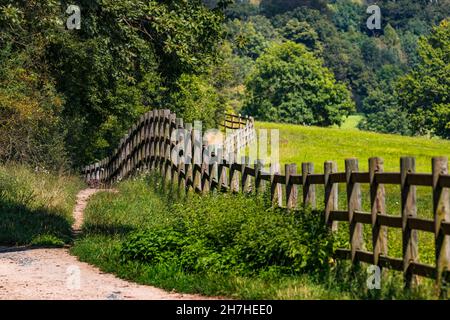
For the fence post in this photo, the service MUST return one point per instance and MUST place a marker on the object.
(157, 139)
(173, 167)
(291, 189)
(152, 133)
(378, 206)
(245, 183)
(331, 194)
(212, 167)
(275, 188)
(441, 210)
(234, 178)
(164, 143)
(259, 183)
(222, 175)
(409, 209)
(128, 155)
(354, 204)
(309, 190)
(205, 176)
(146, 140)
(188, 159)
(180, 141)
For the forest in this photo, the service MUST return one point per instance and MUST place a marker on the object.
(67, 96)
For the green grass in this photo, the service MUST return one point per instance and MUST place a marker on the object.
(351, 122)
(142, 205)
(313, 144)
(36, 207)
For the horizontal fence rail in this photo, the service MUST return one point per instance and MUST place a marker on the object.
(150, 144)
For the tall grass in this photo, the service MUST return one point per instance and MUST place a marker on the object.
(35, 207)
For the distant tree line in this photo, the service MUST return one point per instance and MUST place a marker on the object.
(374, 65)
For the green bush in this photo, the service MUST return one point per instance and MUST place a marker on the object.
(207, 236)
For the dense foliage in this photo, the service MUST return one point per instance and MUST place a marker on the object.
(199, 234)
(85, 87)
(425, 92)
(288, 84)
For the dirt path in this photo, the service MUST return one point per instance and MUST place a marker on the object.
(27, 273)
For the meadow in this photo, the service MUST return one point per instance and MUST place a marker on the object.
(315, 144)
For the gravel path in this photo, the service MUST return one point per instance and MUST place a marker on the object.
(27, 273)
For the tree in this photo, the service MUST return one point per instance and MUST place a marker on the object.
(347, 14)
(127, 58)
(289, 84)
(301, 32)
(424, 92)
(250, 38)
(274, 7)
(196, 99)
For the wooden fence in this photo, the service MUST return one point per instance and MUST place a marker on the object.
(148, 145)
(233, 121)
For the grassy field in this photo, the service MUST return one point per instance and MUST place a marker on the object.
(313, 144)
(36, 207)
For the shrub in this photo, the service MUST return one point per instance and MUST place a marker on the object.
(208, 236)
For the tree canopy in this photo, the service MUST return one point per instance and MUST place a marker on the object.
(289, 84)
(425, 92)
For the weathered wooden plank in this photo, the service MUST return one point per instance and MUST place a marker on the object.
(291, 189)
(336, 215)
(444, 181)
(259, 183)
(275, 186)
(422, 270)
(309, 190)
(420, 179)
(362, 217)
(296, 179)
(387, 178)
(441, 210)
(353, 204)
(415, 223)
(245, 178)
(360, 177)
(331, 194)
(378, 206)
(315, 179)
(338, 177)
(391, 263)
(409, 209)
(279, 178)
(445, 226)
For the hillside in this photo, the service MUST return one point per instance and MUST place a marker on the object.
(313, 144)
